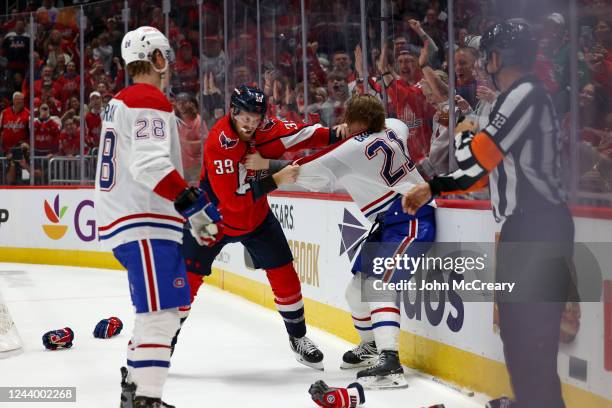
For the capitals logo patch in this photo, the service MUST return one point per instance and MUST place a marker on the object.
(226, 142)
(330, 399)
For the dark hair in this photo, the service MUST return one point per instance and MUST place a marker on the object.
(138, 68)
(367, 109)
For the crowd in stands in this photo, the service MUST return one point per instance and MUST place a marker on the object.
(408, 69)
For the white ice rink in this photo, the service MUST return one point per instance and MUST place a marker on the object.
(231, 352)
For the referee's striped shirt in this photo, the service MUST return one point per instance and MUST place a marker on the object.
(520, 148)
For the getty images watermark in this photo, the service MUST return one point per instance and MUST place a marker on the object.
(406, 265)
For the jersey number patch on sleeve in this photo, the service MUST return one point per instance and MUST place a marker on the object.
(380, 146)
(107, 165)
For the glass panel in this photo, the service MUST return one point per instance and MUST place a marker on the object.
(213, 62)
(15, 164)
(416, 35)
(186, 86)
(592, 121)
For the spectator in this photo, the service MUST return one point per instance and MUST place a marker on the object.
(19, 169)
(212, 99)
(465, 62)
(16, 49)
(407, 102)
(186, 70)
(192, 133)
(554, 52)
(104, 53)
(106, 97)
(434, 27)
(46, 96)
(47, 12)
(213, 57)
(599, 57)
(46, 133)
(93, 121)
(73, 110)
(68, 84)
(14, 123)
(343, 65)
(332, 110)
(593, 103)
(46, 77)
(70, 139)
(242, 75)
(56, 46)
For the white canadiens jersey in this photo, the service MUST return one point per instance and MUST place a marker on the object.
(139, 146)
(375, 168)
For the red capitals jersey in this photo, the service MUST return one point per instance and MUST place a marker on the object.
(70, 143)
(14, 127)
(67, 86)
(408, 104)
(93, 124)
(226, 179)
(46, 135)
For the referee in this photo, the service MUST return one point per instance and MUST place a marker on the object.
(520, 151)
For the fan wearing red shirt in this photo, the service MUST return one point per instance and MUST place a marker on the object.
(70, 139)
(93, 121)
(68, 83)
(408, 104)
(46, 133)
(240, 196)
(186, 68)
(14, 123)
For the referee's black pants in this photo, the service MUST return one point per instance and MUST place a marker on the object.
(535, 251)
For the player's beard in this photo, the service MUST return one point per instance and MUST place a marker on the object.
(244, 134)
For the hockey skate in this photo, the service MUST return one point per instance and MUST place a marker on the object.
(306, 352)
(128, 390)
(147, 402)
(364, 355)
(130, 400)
(388, 373)
(503, 402)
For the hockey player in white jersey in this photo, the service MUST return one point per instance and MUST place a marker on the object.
(142, 202)
(375, 168)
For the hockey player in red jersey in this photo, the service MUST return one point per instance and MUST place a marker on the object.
(240, 196)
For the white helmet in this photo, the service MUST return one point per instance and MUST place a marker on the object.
(139, 45)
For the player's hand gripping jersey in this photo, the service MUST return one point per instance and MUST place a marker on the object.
(139, 147)
(240, 195)
(374, 168)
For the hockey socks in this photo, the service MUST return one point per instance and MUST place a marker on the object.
(385, 324)
(288, 298)
(148, 356)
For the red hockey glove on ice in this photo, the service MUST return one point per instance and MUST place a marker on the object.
(107, 328)
(329, 397)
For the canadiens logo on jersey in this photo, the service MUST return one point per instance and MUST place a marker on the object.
(227, 142)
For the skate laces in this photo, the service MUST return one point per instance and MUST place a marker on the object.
(304, 344)
(363, 349)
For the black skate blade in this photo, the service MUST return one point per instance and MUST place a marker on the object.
(362, 364)
(317, 366)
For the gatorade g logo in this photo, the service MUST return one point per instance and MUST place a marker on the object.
(4, 216)
(54, 214)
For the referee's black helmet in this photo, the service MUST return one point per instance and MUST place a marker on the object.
(513, 40)
(249, 99)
